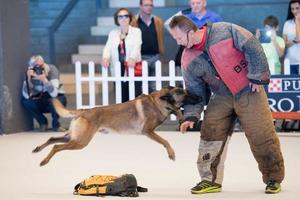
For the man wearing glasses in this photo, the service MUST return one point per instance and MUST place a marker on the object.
(152, 36)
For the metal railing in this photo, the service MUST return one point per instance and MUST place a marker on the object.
(54, 27)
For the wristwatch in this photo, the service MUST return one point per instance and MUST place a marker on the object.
(296, 41)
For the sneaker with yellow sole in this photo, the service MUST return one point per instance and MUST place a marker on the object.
(273, 187)
(206, 187)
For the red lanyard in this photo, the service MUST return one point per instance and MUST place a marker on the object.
(122, 49)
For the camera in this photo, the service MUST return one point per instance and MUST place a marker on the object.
(265, 35)
(38, 69)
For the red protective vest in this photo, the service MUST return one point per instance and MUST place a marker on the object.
(230, 64)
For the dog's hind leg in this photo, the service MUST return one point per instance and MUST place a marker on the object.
(59, 147)
(165, 143)
(83, 138)
(52, 140)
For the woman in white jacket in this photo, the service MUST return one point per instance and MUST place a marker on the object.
(291, 36)
(124, 45)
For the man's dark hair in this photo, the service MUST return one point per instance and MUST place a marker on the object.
(183, 23)
(271, 21)
(116, 16)
(141, 2)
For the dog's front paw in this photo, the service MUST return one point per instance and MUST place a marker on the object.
(172, 157)
(171, 154)
(44, 162)
(36, 149)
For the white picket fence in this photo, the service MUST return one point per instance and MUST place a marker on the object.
(103, 79)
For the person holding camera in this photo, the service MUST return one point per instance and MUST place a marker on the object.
(41, 84)
(272, 44)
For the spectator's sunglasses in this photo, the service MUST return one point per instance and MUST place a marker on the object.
(123, 16)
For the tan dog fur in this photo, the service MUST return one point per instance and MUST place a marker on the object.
(143, 115)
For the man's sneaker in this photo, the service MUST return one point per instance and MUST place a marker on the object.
(206, 187)
(272, 187)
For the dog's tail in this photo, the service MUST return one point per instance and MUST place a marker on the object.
(63, 112)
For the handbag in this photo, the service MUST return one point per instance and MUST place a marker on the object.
(137, 68)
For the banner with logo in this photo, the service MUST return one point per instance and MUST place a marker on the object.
(284, 93)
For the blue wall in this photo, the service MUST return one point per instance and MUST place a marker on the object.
(76, 28)
(247, 13)
(251, 14)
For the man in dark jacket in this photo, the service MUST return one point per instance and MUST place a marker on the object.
(231, 61)
(152, 28)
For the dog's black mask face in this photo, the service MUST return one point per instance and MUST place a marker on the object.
(168, 98)
(174, 96)
(179, 97)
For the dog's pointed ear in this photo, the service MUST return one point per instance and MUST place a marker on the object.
(170, 87)
(168, 98)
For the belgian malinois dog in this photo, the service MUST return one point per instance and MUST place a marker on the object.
(139, 116)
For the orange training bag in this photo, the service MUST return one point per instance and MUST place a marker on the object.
(125, 186)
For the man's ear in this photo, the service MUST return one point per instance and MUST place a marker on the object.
(191, 33)
(168, 98)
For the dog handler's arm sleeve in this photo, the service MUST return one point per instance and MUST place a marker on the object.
(195, 87)
(258, 67)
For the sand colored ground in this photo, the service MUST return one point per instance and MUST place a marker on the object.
(23, 179)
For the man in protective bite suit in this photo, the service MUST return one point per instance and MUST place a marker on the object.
(231, 61)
